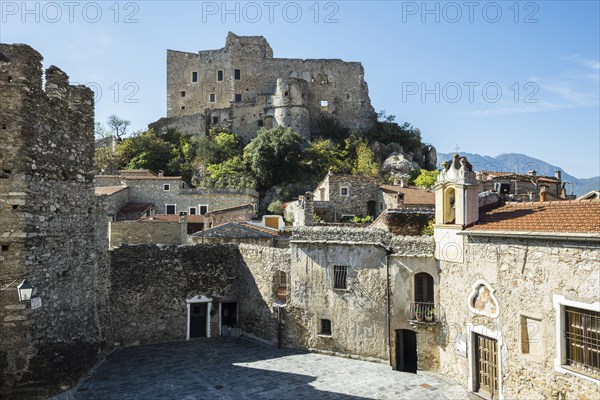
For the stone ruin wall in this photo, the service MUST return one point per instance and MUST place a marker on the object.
(50, 227)
(341, 84)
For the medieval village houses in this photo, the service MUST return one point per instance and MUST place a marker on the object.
(503, 298)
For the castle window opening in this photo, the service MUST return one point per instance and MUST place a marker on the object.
(325, 327)
(170, 208)
(195, 76)
(212, 98)
(15, 206)
(220, 75)
(167, 187)
(3, 127)
(260, 122)
(237, 98)
(237, 74)
(183, 93)
(5, 248)
(183, 107)
(340, 277)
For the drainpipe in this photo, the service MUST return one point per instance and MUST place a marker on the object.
(388, 315)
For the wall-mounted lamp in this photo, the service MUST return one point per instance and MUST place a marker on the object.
(25, 290)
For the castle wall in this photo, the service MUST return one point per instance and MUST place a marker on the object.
(50, 228)
(526, 274)
(341, 84)
(150, 285)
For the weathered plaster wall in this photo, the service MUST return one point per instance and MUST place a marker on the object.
(150, 285)
(48, 228)
(257, 276)
(525, 275)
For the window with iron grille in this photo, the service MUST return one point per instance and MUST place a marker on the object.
(582, 336)
(282, 287)
(325, 327)
(340, 277)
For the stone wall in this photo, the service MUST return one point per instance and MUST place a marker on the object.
(135, 232)
(361, 191)
(403, 222)
(196, 124)
(525, 274)
(50, 228)
(114, 202)
(150, 285)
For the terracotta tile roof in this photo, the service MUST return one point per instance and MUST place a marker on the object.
(191, 219)
(567, 216)
(109, 190)
(268, 231)
(133, 211)
(412, 195)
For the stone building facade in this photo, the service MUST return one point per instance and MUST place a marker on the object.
(520, 289)
(243, 86)
(51, 232)
(339, 196)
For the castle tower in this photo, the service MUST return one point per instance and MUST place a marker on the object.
(289, 104)
(48, 230)
(456, 206)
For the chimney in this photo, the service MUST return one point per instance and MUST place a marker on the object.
(558, 175)
(400, 200)
(403, 182)
(543, 193)
(161, 173)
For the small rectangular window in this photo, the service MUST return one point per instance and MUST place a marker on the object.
(324, 104)
(5, 247)
(183, 93)
(212, 98)
(195, 76)
(215, 120)
(260, 122)
(171, 208)
(340, 275)
(192, 210)
(325, 327)
(220, 75)
(344, 191)
(237, 74)
(167, 187)
(203, 209)
(237, 98)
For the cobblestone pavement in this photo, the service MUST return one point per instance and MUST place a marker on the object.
(229, 368)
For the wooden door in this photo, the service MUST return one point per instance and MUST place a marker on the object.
(487, 366)
(406, 350)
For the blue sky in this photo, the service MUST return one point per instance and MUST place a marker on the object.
(490, 77)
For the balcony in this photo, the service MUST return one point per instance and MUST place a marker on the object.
(423, 313)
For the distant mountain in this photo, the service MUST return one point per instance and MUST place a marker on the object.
(520, 163)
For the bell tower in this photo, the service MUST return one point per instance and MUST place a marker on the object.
(456, 207)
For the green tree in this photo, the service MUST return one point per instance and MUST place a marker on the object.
(426, 179)
(218, 147)
(275, 207)
(118, 126)
(365, 163)
(274, 156)
(231, 173)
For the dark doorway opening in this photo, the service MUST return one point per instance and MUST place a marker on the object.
(406, 350)
(229, 315)
(197, 320)
(372, 208)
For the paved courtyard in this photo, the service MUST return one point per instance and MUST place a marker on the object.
(229, 368)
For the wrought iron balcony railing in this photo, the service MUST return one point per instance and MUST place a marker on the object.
(424, 312)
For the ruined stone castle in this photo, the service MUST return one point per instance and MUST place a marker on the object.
(244, 87)
(503, 299)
